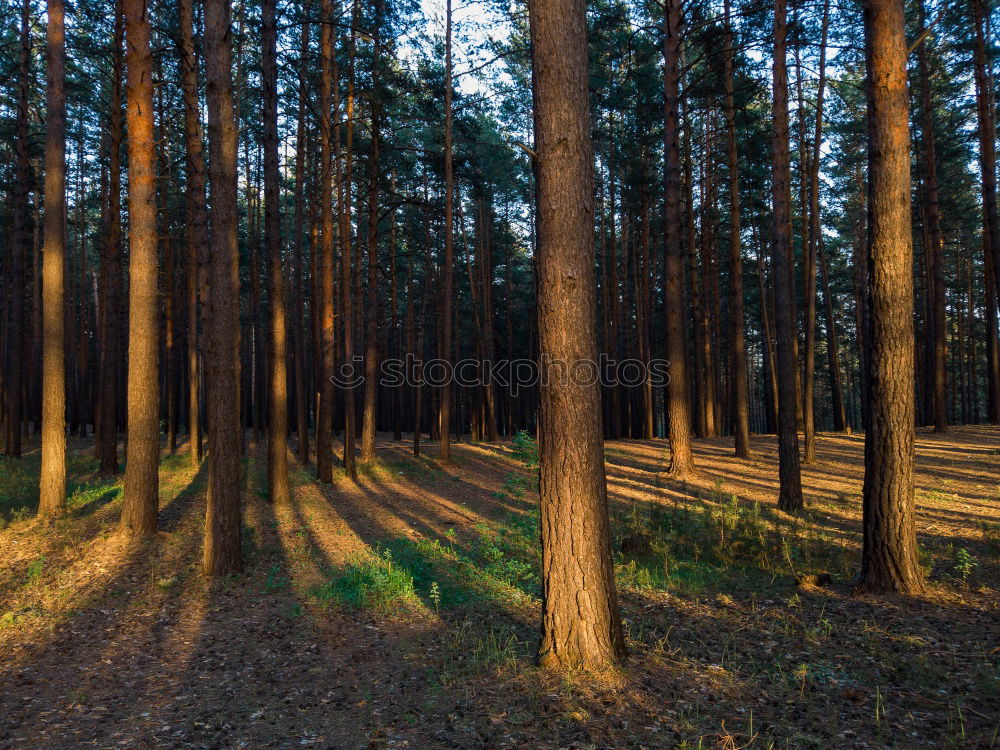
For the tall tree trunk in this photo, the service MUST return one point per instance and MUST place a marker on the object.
(992, 341)
(889, 553)
(196, 222)
(832, 353)
(324, 418)
(142, 457)
(371, 301)
(18, 253)
(344, 188)
(935, 254)
(223, 520)
(581, 626)
(52, 485)
(277, 406)
(790, 493)
(298, 317)
(444, 413)
(678, 404)
(814, 238)
(987, 148)
(111, 271)
(741, 394)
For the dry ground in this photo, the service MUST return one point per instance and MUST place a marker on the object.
(400, 610)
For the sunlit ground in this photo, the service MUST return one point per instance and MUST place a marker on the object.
(400, 610)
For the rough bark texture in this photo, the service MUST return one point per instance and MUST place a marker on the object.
(142, 455)
(223, 519)
(889, 554)
(277, 406)
(678, 403)
(52, 485)
(740, 381)
(790, 496)
(581, 626)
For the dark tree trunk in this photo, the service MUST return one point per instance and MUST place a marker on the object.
(13, 384)
(935, 254)
(987, 139)
(444, 413)
(790, 494)
(195, 225)
(581, 626)
(889, 555)
(223, 521)
(111, 270)
(740, 390)
(298, 318)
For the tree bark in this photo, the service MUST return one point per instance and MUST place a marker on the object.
(790, 493)
(111, 271)
(196, 223)
(581, 626)
(324, 419)
(889, 553)
(444, 413)
(741, 394)
(935, 256)
(277, 407)
(678, 403)
(987, 139)
(18, 253)
(52, 485)
(142, 456)
(371, 299)
(223, 520)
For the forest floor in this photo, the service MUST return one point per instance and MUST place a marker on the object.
(401, 610)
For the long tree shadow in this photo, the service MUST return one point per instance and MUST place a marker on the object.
(75, 662)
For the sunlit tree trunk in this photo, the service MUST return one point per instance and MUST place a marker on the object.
(325, 343)
(889, 553)
(277, 406)
(677, 402)
(581, 626)
(142, 455)
(52, 486)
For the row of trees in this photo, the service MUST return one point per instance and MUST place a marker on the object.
(363, 199)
